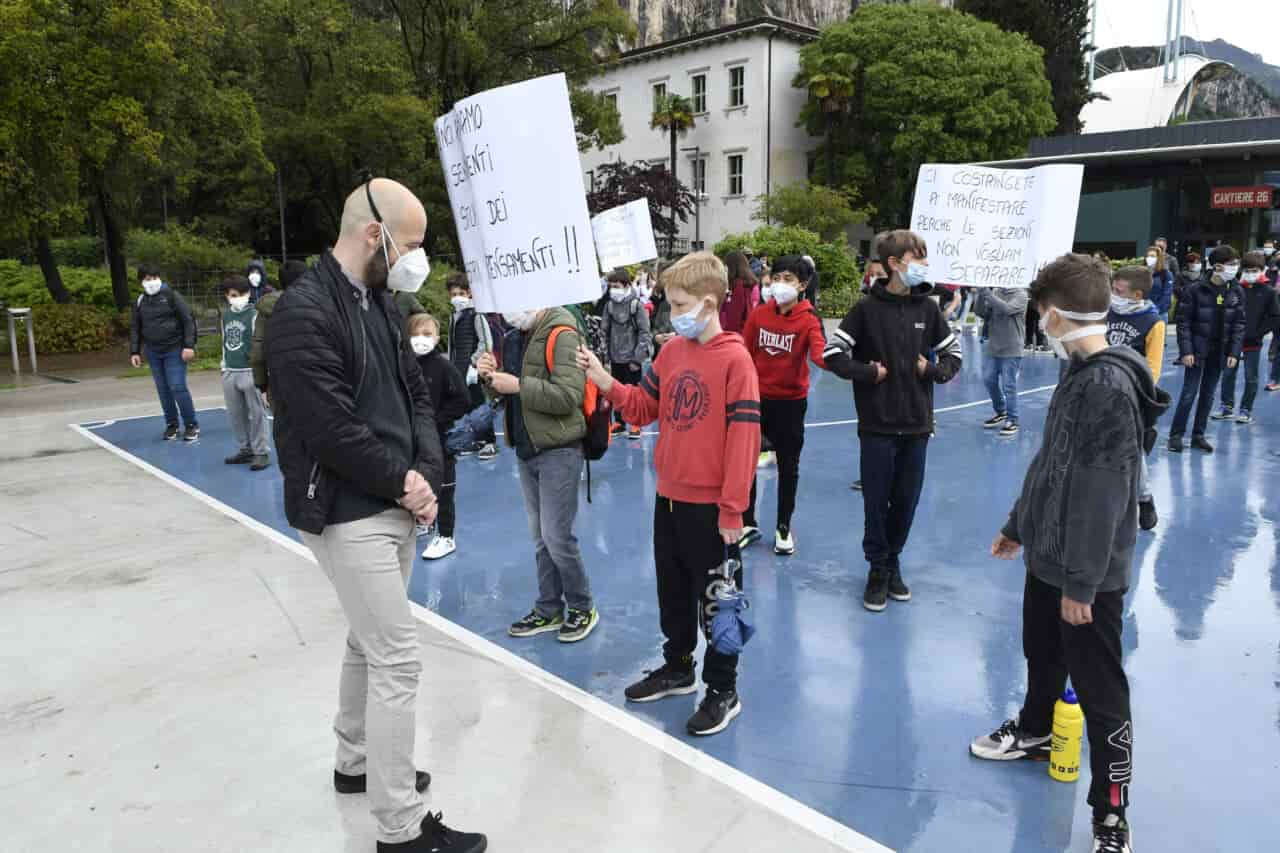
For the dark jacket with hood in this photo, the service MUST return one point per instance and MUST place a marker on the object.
(1077, 515)
(256, 293)
(163, 322)
(1261, 314)
(1209, 312)
(894, 330)
(318, 353)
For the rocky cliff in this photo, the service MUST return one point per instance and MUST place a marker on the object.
(663, 20)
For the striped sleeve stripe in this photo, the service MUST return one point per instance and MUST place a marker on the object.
(742, 406)
(745, 418)
(650, 383)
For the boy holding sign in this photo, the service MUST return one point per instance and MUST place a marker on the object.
(882, 345)
(702, 388)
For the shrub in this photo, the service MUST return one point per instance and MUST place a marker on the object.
(23, 286)
(76, 251)
(185, 256)
(834, 259)
(71, 328)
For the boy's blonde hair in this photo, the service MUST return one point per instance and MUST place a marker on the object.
(699, 274)
(418, 321)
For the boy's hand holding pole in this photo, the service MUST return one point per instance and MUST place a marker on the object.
(589, 362)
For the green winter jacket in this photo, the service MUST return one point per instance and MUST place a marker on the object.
(551, 400)
(257, 352)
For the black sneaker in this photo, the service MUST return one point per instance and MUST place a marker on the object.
(662, 682)
(260, 463)
(994, 422)
(578, 624)
(487, 452)
(750, 536)
(1147, 518)
(857, 485)
(192, 433)
(898, 590)
(534, 623)
(1175, 444)
(469, 451)
(715, 713)
(1010, 743)
(877, 595)
(438, 838)
(1199, 442)
(170, 433)
(1111, 835)
(1010, 428)
(244, 457)
(345, 784)
(1224, 414)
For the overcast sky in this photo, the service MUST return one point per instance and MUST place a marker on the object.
(1250, 24)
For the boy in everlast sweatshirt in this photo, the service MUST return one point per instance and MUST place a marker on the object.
(882, 345)
(702, 388)
(1076, 522)
(782, 336)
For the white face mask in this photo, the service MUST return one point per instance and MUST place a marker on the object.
(1250, 277)
(151, 286)
(1151, 260)
(410, 271)
(618, 294)
(1268, 250)
(1228, 273)
(766, 292)
(785, 293)
(238, 303)
(1195, 270)
(522, 320)
(255, 278)
(1124, 304)
(1058, 343)
(422, 344)
(460, 303)
(916, 274)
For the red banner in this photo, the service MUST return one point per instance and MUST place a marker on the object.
(1224, 197)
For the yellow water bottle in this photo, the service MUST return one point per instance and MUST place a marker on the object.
(1068, 733)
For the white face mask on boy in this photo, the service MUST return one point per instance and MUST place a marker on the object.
(1059, 343)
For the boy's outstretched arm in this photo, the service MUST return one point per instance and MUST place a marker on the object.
(637, 403)
(838, 356)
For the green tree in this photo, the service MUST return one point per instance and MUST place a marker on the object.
(1061, 29)
(831, 91)
(824, 210)
(674, 115)
(952, 89)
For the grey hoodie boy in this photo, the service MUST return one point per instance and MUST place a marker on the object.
(626, 328)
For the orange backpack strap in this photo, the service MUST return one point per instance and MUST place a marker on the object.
(591, 393)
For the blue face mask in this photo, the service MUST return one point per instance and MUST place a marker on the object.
(915, 275)
(688, 325)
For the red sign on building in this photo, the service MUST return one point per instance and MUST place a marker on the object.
(1224, 197)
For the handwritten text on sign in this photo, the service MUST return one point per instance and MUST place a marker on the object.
(510, 160)
(995, 227)
(624, 235)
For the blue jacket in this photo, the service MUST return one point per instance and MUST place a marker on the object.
(1197, 313)
(1161, 291)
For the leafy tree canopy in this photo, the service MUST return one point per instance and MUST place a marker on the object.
(824, 210)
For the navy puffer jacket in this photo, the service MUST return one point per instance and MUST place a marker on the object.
(1197, 313)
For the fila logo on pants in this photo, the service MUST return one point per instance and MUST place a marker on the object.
(1121, 772)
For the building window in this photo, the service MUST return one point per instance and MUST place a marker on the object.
(659, 92)
(699, 93)
(737, 86)
(612, 98)
(735, 174)
(699, 182)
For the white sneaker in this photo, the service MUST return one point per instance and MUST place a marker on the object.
(766, 459)
(441, 546)
(784, 543)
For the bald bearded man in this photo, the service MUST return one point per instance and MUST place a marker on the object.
(361, 458)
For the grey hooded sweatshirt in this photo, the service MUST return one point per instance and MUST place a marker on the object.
(1077, 516)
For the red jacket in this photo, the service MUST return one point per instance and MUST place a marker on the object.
(737, 306)
(781, 345)
(708, 405)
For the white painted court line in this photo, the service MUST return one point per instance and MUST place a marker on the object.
(955, 408)
(753, 789)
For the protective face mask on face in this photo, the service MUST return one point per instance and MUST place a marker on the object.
(915, 274)
(618, 294)
(1151, 260)
(151, 286)
(1230, 271)
(238, 303)
(1195, 269)
(689, 325)
(1268, 250)
(1250, 277)
(422, 344)
(1124, 304)
(409, 272)
(766, 292)
(1058, 343)
(255, 278)
(522, 320)
(460, 303)
(785, 293)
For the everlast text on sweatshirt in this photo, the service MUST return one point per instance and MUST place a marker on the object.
(707, 402)
(781, 346)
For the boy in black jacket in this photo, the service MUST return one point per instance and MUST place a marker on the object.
(1210, 333)
(162, 321)
(469, 338)
(1261, 315)
(882, 346)
(449, 394)
(1076, 522)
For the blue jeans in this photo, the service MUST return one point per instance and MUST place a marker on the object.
(1001, 375)
(550, 484)
(1251, 360)
(1201, 381)
(170, 374)
(892, 478)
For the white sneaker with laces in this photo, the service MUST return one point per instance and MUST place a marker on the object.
(784, 543)
(441, 546)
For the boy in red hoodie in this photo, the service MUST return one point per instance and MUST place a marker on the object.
(782, 336)
(702, 388)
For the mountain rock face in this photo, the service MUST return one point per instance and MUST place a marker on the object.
(662, 20)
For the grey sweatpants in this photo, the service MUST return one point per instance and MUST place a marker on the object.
(245, 410)
(369, 562)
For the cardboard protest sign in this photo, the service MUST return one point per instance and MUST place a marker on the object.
(995, 227)
(624, 235)
(510, 160)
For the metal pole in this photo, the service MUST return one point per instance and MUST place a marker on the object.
(13, 344)
(698, 177)
(284, 246)
(1168, 41)
(1093, 39)
(1177, 42)
(31, 341)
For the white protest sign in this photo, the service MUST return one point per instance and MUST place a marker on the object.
(510, 159)
(624, 235)
(995, 227)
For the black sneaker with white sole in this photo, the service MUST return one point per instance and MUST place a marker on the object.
(171, 433)
(535, 623)
(1147, 517)
(716, 712)
(1011, 743)
(192, 433)
(898, 590)
(666, 680)
(994, 422)
(1224, 414)
(1010, 428)
(1111, 835)
(578, 624)
(438, 838)
(750, 536)
(876, 596)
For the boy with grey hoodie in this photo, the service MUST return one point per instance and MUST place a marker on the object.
(1076, 522)
(626, 329)
(1004, 311)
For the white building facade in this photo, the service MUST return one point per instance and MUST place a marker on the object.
(745, 139)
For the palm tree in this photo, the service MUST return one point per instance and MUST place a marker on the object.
(674, 114)
(832, 91)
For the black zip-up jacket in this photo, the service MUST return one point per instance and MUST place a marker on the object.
(163, 322)
(1198, 312)
(895, 331)
(448, 390)
(1261, 313)
(317, 356)
(1077, 515)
